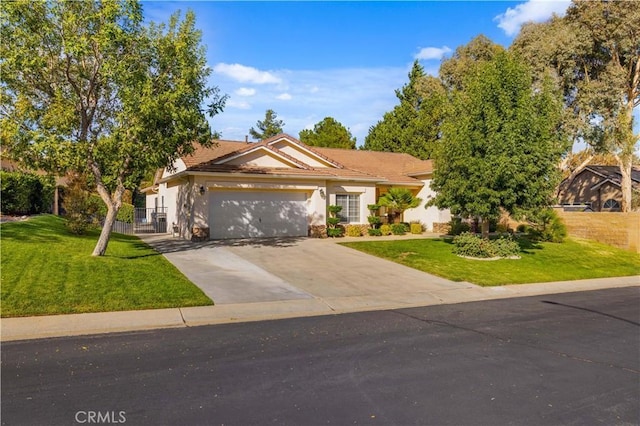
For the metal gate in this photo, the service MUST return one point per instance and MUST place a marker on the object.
(150, 221)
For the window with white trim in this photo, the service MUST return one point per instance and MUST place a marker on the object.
(350, 204)
(611, 204)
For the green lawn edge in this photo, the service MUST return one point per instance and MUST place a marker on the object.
(46, 270)
(575, 259)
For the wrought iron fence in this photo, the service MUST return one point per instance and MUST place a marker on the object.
(145, 221)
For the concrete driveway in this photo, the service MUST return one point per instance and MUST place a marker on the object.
(274, 269)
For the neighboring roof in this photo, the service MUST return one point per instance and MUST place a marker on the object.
(384, 167)
(612, 174)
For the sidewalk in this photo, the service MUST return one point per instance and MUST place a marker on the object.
(109, 322)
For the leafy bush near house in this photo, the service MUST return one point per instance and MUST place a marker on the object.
(125, 213)
(416, 227)
(457, 226)
(374, 232)
(470, 245)
(353, 231)
(522, 228)
(547, 226)
(334, 232)
(333, 220)
(374, 221)
(398, 229)
(385, 229)
(25, 193)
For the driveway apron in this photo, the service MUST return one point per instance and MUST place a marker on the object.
(224, 276)
(264, 270)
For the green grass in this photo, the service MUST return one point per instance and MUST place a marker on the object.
(541, 262)
(47, 270)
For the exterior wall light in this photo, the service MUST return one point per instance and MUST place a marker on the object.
(202, 190)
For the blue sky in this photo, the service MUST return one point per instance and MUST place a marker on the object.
(309, 60)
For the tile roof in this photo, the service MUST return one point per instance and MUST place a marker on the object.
(394, 168)
(613, 173)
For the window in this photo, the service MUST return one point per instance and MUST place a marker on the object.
(611, 204)
(350, 204)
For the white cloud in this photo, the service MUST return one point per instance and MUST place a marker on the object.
(238, 104)
(532, 10)
(245, 74)
(244, 91)
(356, 97)
(427, 53)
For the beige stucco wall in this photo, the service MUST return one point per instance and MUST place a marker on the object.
(430, 215)
(260, 158)
(616, 229)
(298, 154)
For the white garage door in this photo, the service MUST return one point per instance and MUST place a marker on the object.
(244, 214)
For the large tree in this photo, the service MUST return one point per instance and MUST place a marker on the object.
(500, 145)
(329, 133)
(87, 87)
(454, 70)
(270, 126)
(413, 126)
(593, 52)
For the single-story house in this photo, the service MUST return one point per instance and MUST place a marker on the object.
(282, 187)
(596, 186)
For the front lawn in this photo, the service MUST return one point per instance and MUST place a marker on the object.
(541, 262)
(46, 270)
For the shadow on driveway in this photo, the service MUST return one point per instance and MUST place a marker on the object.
(164, 244)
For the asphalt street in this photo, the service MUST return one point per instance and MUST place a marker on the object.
(570, 358)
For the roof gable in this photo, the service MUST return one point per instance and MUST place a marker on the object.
(261, 156)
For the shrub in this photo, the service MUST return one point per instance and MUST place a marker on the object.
(334, 232)
(522, 228)
(547, 226)
(506, 247)
(416, 228)
(26, 193)
(470, 245)
(398, 229)
(374, 221)
(457, 226)
(125, 213)
(353, 231)
(374, 232)
(81, 210)
(385, 229)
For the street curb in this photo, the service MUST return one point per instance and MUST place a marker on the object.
(27, 328)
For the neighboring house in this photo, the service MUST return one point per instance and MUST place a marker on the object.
(282, 187)
(596, 186)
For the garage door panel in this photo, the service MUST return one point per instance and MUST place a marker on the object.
(257, 214)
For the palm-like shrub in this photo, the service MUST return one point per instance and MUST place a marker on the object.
(397, 200)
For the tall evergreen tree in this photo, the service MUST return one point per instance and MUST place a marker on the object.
(593, 53)
(500, 146)
(413, 126)
(454, 70)
(329, 133)
(270, 126)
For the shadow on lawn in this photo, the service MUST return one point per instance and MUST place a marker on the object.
(31, 232)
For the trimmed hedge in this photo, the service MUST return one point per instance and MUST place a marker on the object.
(26, 193)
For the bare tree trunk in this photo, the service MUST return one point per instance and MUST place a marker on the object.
(105, 234)
(625, 182)
(113, 205)
(485, 227)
